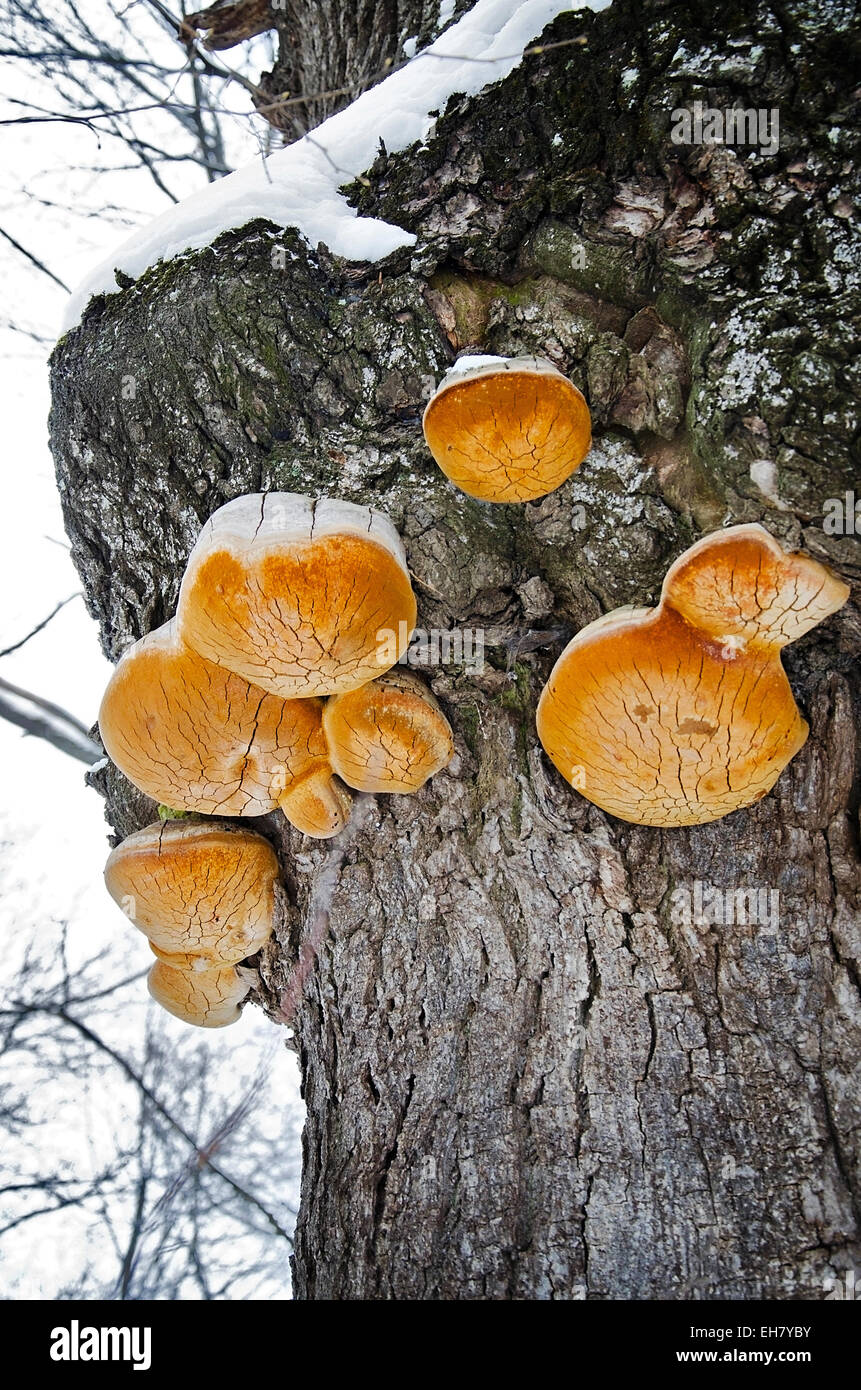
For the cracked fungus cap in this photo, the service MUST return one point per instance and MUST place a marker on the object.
(196, 737)
(390, 736)
(680, 714)
(205, 995)
(298, 596)
(197, 889)
(507, 429)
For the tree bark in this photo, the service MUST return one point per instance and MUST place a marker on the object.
(327, 46)
(328, 51)
(525, 1076)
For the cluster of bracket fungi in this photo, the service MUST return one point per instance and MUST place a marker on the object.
(271, 688)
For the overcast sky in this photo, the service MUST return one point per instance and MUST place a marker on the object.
(52, 828)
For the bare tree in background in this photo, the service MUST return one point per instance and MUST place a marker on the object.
(327, 53)
(109, 66)
(155, 80)
(182, 1190)
(144, 97)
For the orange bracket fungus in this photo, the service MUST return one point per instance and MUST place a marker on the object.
(219, 712)
(205, 895)
(205, 995)
(389, 736)
(197, 888)
(198, 738)
(292, 593)
(680, 714)
(507, 429)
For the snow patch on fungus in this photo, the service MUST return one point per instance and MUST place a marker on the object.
(464, 365)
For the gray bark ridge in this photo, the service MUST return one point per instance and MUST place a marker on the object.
(525, 1076)
(327, 47)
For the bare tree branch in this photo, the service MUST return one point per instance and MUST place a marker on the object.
(204, 1154)
(43, 719)
(7, 651)
(40, 265)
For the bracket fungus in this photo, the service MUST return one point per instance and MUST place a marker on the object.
(205, 995)
(197, 889)
(197, 737)
(292, 593)
(680, 714)
(507, 429)
(389, 736)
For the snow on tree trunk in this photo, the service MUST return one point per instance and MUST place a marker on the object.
(328, 45)
(529, 1072)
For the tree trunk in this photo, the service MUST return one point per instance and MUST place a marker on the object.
(328, 50)
(330, 45)
(527, 1076)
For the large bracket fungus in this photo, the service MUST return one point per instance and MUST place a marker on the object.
(292, 593)
(197, 737)
(206, 897)
(680, 714)
(197, 888)
(507, 429)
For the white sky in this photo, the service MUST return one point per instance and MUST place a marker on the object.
(47, 813)
(52, 829)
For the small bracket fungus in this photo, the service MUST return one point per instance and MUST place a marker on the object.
(197, 889)
(317, 804)
(507, 429)
(206, 995)
(292, 593)
(680, 714)
(196, 737)
(390, 736)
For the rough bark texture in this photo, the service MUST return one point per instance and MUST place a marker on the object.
(524, 1078)
(328, 45)
(327, 49)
